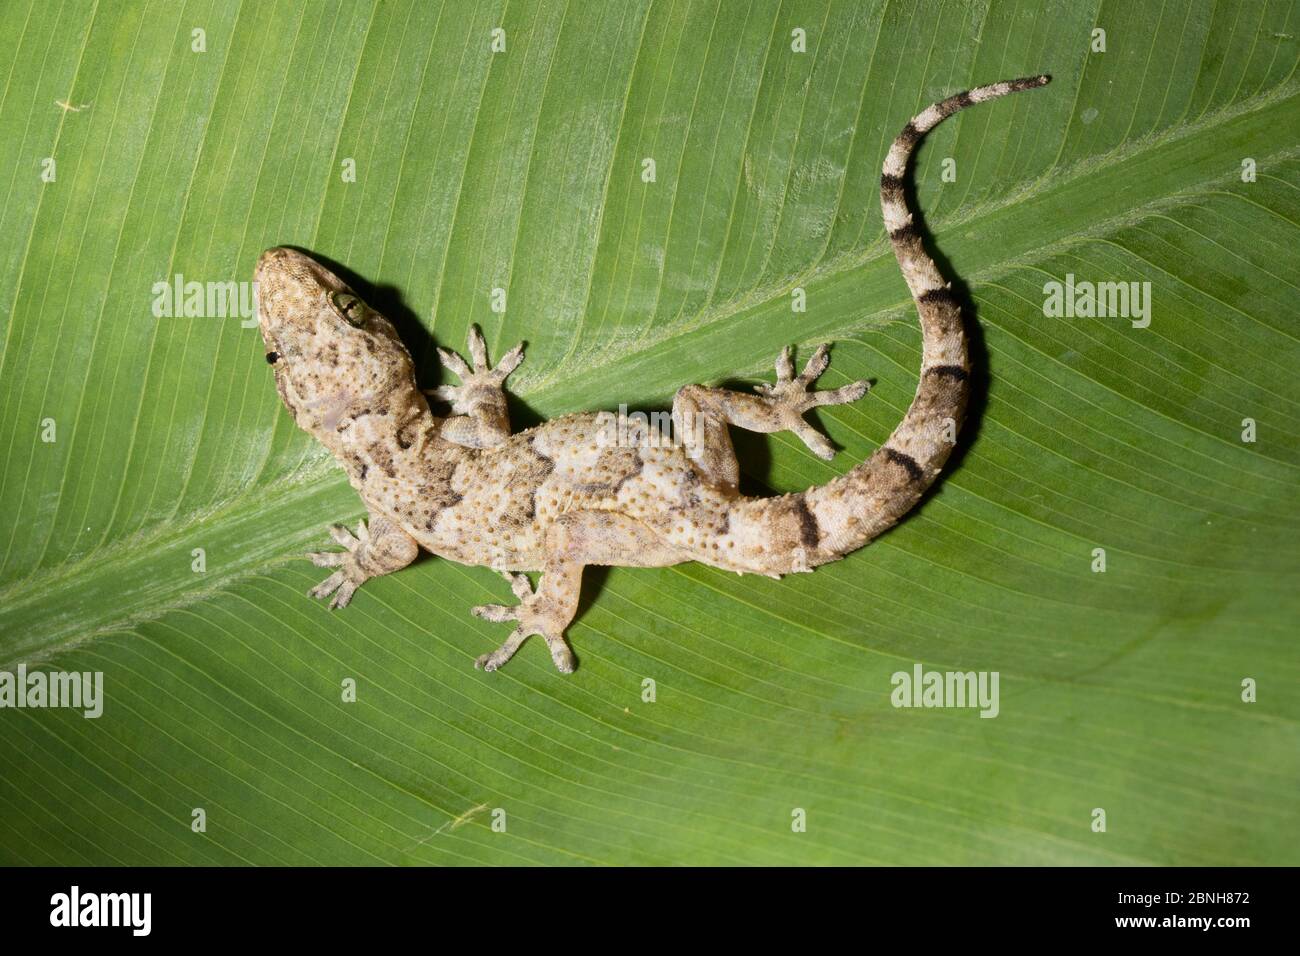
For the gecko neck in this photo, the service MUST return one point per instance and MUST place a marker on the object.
(396, 435)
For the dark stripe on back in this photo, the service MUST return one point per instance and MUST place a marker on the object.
(955, 372)
(532, 443)
(809, 533)
(640, 467)
(906, 461)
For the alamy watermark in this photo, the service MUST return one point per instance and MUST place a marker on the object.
(626, 429)
(77, 690)
(182, 299)
(75, 908)
(1100, 300)
(922, 688)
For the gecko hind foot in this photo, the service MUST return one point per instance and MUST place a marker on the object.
(791, 396)
(532, 619)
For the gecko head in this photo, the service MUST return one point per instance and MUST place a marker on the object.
(333, 356)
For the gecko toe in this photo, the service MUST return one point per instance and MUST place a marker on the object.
(816, 365)
(520, 585)
(343, 595)
(842, 395)
(328, 586)
(492, 661)
(343, 537)
(561, 655)
(509, 362)
(495, 612)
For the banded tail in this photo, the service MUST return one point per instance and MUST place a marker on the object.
(858, 506)
(847, 512)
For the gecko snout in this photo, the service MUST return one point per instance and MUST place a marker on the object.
(281, 269)
(289, 284)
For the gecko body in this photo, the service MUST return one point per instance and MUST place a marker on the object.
(562, 496)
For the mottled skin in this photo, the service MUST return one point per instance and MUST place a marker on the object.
(569, 493)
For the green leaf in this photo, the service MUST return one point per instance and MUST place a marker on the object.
(522, 170)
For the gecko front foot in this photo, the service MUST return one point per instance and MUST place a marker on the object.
(380, 548)
(791, 396)
(533, 617)
(480, 383)
(344, 582)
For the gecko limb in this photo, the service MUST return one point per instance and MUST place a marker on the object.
(702, 415)
(480, 417)
(545, 612)
(575, 540)
(379, 549)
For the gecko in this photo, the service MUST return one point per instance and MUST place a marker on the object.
(562, 496)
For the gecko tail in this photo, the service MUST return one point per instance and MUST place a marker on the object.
(847, 512)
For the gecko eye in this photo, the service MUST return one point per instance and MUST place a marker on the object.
(349, 307)
(272, 358)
